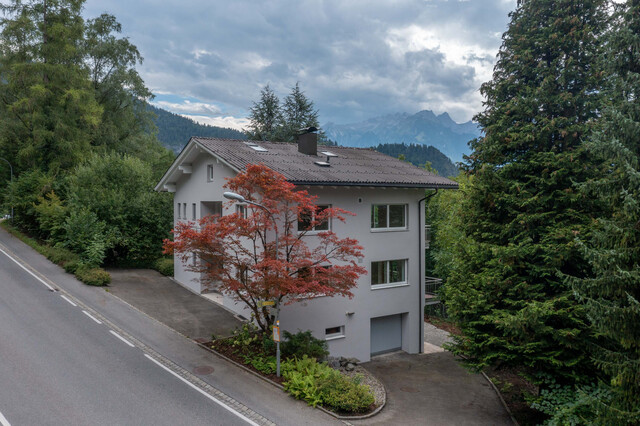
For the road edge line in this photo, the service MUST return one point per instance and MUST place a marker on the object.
(4, 421)
(28, 271)
(211, 397)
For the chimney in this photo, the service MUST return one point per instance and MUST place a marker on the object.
(308, 141)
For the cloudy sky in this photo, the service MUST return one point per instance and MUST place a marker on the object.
(356, 59)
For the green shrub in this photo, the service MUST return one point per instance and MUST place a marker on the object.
(59, 255)
(245, 335)
(303, 344)
(265, 365)
(344, 393)
(317, 383)
(71, 266)
(86, 235)
(268, 345)
(92, 276)
(301, 379)
(164, 266)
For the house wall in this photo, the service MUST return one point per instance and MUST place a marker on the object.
(195, 188)
(321, 313)
(325, 312)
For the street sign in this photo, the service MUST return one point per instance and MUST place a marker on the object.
(276, 334)
(262, 303)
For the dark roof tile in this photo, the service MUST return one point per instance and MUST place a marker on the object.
(351, 166)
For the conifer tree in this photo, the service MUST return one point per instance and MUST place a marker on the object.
(612, 292)
(265, 117)
(297, 112)
(522, 212)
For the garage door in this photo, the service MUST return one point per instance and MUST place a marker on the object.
(386, 334)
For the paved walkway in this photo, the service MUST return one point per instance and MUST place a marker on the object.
(171, 304)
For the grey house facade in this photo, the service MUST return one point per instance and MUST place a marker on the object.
(387, 196)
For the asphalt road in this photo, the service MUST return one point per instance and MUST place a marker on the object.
(59, 366)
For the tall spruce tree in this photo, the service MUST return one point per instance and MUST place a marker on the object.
(522, 212)
(612, 292)
(265, 118)
(297, 112)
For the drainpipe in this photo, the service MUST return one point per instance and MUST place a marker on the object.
(420, 273)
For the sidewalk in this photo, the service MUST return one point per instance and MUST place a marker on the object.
(173, 305)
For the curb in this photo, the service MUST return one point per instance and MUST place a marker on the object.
(504, 403)
(331, 413)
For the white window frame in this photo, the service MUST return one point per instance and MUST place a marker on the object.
(179, 209)
(332, 336)
(314, 230)
(388, 218)
(242, 210)
(387, 283)
(193, 211)
(209, 172)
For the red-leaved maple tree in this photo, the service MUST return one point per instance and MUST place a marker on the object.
(237, 254)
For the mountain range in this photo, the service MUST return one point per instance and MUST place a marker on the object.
(423, 128)
(418, 138)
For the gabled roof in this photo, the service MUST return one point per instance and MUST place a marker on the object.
(349, 166)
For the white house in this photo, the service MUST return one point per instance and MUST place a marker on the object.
(386, 194)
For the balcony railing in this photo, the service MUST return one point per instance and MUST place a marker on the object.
(427, 236)
(431, 289)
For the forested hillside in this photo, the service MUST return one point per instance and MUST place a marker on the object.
(418, 155)
(175, 130)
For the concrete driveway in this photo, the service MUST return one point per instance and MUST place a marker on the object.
(175, 306)
(433, 389)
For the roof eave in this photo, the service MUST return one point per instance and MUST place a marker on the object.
(160, 187)
(378, 184)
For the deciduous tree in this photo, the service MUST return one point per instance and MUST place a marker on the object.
(239, 253)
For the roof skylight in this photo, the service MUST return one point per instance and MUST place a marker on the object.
(256, 147)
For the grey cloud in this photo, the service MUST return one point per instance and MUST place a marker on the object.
(337, 50)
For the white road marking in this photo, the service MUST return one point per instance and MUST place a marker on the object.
(246, 419)
(122, 338)
(31, 273)
(91, 316)
(4, 421)
(68, 300)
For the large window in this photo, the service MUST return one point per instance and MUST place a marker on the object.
(307, 218)
(389, 272)
(389, 216)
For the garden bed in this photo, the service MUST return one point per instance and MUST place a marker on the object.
(344, 392)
